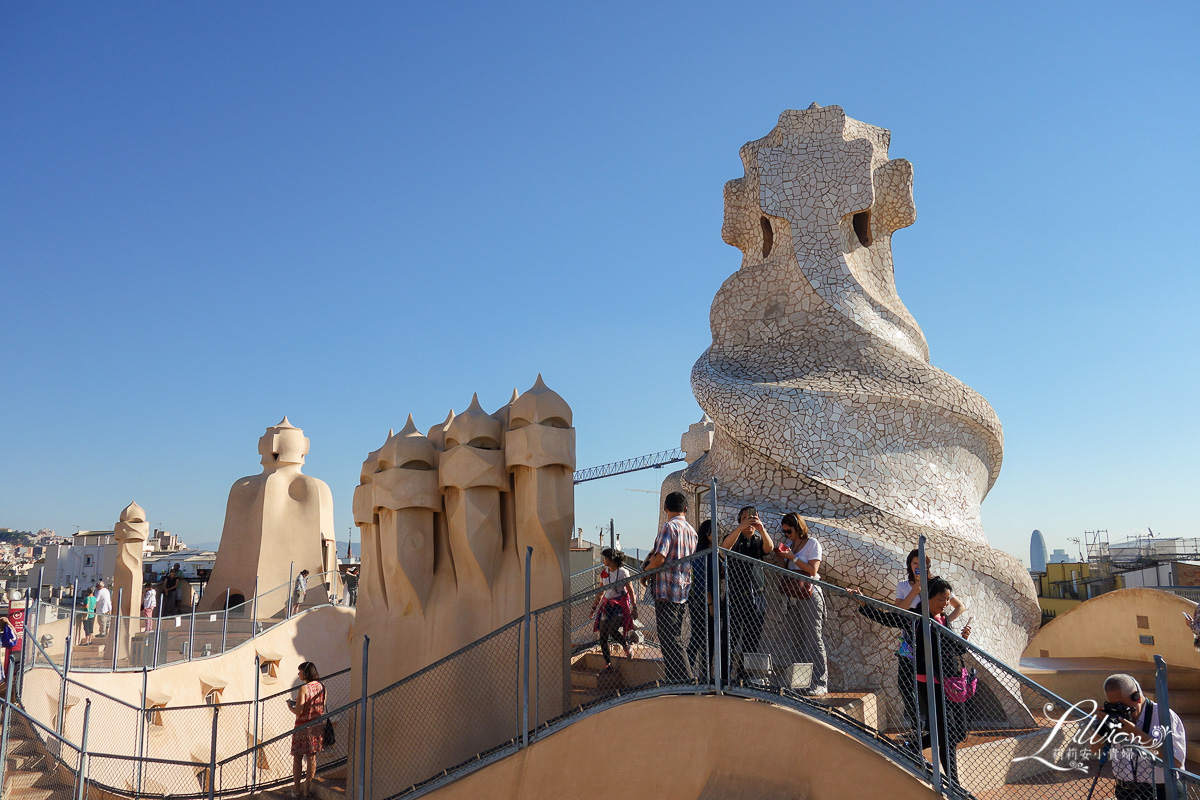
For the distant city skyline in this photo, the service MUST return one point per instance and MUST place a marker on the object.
(347, 215)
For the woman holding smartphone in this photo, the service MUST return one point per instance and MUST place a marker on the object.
(908, 597)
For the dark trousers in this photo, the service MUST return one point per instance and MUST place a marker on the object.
(700, 630)
(669, 619)
(906, 682)
(1141, 791)
(746, 612)
(610, 629)
(951, 728)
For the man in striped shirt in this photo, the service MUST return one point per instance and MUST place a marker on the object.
(676, 540)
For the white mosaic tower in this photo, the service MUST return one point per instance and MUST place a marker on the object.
(819, 383)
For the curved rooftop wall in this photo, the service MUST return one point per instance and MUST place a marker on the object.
(693, 747)
(1112, 625)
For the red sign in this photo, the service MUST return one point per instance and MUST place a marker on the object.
(16, 615)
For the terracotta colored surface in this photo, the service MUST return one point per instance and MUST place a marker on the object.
(688, 747)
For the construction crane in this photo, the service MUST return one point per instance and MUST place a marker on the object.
(651, 461)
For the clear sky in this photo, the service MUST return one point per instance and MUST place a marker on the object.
(215, 214)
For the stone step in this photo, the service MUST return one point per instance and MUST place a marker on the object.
(39, 793)
(596, 679)
(1184, 702)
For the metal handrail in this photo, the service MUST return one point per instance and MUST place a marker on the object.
(871, 737)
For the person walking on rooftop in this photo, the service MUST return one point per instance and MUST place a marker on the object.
(300, 590)
(103, 607)
(149, 603)
(171, 591)
(309, 740)
(676, 541)
(89, 619)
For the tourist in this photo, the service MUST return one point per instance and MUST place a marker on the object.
(300, 590)
(103, 607)
(149, 603)
(700, 606)
(308, 706)
(805, 601)
(908, 597)
(947, 653)
(351, 584)
(171, 591)
(89, 618)
(615, 607)
(747, 606)
(1135, 731)
(676, 540)
(8, 643)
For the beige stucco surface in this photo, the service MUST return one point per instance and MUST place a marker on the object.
(1107, 627)
(320, 635)
(275, 526)
(688, 748)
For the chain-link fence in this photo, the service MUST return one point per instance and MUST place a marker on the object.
(106, 642)
(914, 689)
(450, 712)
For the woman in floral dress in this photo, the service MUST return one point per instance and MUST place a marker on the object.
(306, 743)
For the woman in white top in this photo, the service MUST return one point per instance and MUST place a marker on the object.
(908, 596)
(805, 601)
(615, 606)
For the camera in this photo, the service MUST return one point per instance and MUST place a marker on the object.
(1110, 719)
(1118, 710)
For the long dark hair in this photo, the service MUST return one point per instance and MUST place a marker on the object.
(613, 555)
(908, 565)
(704, 535)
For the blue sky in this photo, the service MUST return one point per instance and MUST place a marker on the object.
(217, 214)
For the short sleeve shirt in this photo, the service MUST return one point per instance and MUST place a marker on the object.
(811, 551)
(1129, 765)
(607, 579)
(676, 540)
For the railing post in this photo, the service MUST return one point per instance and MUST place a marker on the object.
(254, 725)
(225, 622)
(116, 631)
(930, 672)
(158, 631)
(254, 611)
(62, 705)
(361, 788)
(212, 758)
(714, 575)
(30, 627)
(142, 731)
(1164, 719)
(80, 776)
(288, 599)
(71, 630)
(192, 630)
(525, 655)
(8, 684)
(67, 656)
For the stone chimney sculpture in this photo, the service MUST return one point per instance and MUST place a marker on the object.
(819, 384)
(446, 518)
(130, 533)
(276, 524)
